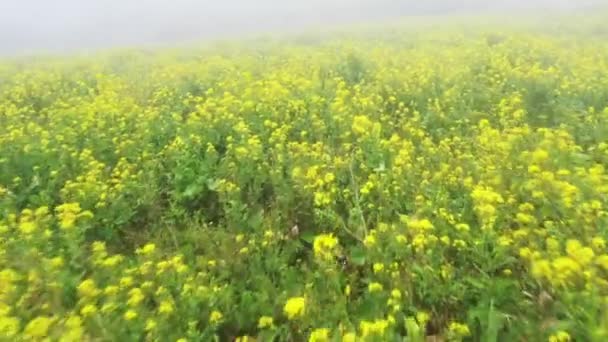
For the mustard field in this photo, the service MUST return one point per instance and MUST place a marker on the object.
(441, 185)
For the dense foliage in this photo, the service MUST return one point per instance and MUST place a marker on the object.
(447, 184)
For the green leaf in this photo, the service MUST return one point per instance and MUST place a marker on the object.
(494, 324)
(212, 184)
(358, 256)
(308, 236)
(414, 333)
(490, 321)
(192, 190)
(380, 168)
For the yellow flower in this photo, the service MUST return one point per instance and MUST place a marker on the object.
(319, 335)
(539, 156)
(362, 125)
(294, 307)
(378, 267)
(463, 227)
(396, 294)
(419, 241)
(67, 214)
(349, 337)
(420, 225)
(552, 244)
(458, 330)
(374, 287)
(422, 317)
(88, 289)
(150, 324)
(322, 198)
(268, 234)
(602, 261)
(565, 268)
(582, 255)
(265, 322)
(215, 317)
(73, 330)
(98, 247)
(324, 246)
(130, 315)
(110, 290)
(56, 262)
(541, 269)
(27, 227)
(166, 307)
(88, 310)
(109, 307)
(560, 336)
(598, 243)
(9, 326)
(377, 327)
(147, 249)
(525, 219)
(126, 281)
(370, 240)
(112, 261)
(445, 240)
(38, 327)
(525, 252)
(136, 296)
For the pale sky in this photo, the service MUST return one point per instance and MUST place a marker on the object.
(38, 25)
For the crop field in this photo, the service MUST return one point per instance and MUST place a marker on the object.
(393, 185)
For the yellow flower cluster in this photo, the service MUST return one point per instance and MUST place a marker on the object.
(295, 307)
(421, 182)
(375, 328)
(324, 246)
(579, 266)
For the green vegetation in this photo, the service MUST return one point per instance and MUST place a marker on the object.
(449, 183)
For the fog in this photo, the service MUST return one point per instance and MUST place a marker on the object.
(28, 26)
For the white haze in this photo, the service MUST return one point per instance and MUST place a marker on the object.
(65, 25)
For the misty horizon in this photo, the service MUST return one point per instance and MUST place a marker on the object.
(33, 26)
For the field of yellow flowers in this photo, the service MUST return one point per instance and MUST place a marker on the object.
(442, 186)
